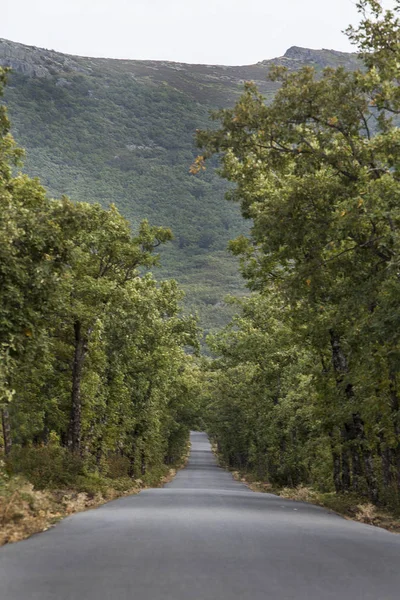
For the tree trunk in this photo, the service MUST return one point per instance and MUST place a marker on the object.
(336, 464)
(395, 407)
(352, 450)
(143, 468)
(338, 358)
(336, 472)
(340, 368)
(5, 418)
(356, 469)
(337, 468)
(131, 469)
(74, 432)
(355, 444)
(361, 441)
(372, 482)
(346, 461)
(397, 462)
(99, 452)
(385, 455)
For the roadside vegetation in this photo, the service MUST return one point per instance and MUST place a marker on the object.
(37, 500)
(96, 391)
(304, 389)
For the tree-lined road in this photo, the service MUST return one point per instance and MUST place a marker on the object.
(203, 537)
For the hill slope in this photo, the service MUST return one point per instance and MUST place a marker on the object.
(122, 131)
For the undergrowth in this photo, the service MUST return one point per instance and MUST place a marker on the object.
(40, 486)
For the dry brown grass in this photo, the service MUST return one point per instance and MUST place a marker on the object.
(346, 505)
(301, 494)
(25, 511)
(254, 485)
(367, 513)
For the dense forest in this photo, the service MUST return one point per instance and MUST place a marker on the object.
(95, 375)
(100, 376)
(306, 386)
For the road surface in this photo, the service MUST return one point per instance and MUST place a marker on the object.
(203, 537)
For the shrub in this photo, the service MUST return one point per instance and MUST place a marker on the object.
(46, 466)
(367, 514)
(117, 466)
(92, 484)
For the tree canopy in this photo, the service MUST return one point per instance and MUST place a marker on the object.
(317, 172)
(93, 349)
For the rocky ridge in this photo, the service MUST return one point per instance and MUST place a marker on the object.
(195, 79)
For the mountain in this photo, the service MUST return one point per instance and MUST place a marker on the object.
(122, 131)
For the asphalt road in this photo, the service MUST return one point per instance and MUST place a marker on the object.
(203, 537)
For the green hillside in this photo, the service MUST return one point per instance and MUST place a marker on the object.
(122, 131)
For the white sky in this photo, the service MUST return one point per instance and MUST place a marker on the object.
(231, 32)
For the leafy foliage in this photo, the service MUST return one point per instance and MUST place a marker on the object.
(94, 367)
(317, 172)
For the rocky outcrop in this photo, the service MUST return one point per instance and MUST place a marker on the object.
(323, 57)
(22, 59)
(39, 62)
(297, 57)
(36, 62)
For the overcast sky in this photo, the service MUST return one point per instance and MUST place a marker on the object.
(228, 32)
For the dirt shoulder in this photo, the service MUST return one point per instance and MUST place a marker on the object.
(349, 506)
(25, 511)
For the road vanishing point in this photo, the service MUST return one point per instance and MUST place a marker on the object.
(203, 536)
